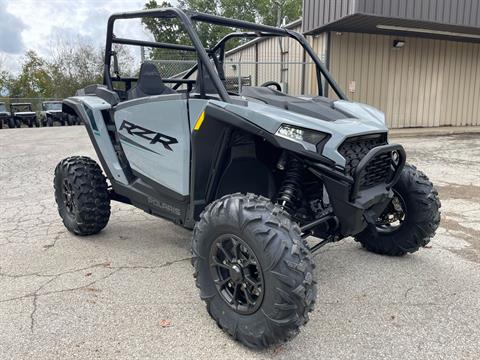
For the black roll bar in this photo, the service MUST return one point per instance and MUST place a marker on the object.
(186, 18)
(153, 44)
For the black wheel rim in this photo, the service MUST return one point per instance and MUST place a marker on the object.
(68, 196)
(394, 215)
(237, 274)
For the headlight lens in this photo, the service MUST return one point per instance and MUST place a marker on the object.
(301, 135)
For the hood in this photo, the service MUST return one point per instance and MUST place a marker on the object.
(355, 119)
(4, 113)
(53, 111)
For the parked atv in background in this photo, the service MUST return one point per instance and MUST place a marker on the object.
(254, 174)
(74, 120)
(52, 112)
(22, 113)
(5, 118)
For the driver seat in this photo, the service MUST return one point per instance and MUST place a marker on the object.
(149, 83)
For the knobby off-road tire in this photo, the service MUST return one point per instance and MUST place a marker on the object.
(285, 266)
(422, 217)
(81, 195)
(13, 123)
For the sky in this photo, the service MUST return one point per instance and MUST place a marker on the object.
(37, 24)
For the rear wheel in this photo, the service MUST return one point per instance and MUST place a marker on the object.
(409, 221)
(82, 196)
(14, 123)
(253, 270)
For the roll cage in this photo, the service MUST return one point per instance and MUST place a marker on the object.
(204, 56)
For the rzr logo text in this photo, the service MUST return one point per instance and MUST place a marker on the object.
(150, 135)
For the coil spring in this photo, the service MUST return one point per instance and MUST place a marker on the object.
(290, 193)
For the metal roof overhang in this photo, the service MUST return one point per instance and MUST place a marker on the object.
(372, 24)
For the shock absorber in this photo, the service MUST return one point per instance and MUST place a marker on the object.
(290, 194)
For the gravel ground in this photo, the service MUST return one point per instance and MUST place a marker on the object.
(128, 292)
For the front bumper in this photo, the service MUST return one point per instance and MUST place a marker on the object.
(360, 199)
(25, 118)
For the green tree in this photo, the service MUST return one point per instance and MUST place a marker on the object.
(5, 77)
(269, 12)
(274, 12)
(74, 65)
(34, 79)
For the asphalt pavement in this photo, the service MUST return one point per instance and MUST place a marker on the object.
(128, 292)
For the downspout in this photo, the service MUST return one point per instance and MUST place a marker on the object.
(304, 70)
(256, 64)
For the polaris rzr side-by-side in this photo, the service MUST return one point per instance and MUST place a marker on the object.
(52, 113)
(22, 113)
(263, 178)
(5, 118)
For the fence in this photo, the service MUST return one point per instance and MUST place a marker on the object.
(295, 77)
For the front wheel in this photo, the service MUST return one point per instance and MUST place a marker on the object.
(81, 193)
(409, 221)
(253, 270)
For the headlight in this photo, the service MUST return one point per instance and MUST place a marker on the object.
(308, 138)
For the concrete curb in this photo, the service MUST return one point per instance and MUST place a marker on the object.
(435, 131)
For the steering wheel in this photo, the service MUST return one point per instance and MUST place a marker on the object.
(272, 83)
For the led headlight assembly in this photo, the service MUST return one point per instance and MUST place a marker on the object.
(309, 139)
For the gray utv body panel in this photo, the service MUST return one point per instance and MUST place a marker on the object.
(339, 119)
(344, 119)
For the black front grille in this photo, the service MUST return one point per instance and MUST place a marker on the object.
(355, 148)
(378, 170)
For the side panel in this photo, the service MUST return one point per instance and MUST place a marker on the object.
(155, 136)
(195, 108)
(89, 108)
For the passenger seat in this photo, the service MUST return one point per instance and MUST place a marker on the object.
(149, 83)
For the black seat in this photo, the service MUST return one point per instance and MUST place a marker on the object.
(208, 85)
(149, 83)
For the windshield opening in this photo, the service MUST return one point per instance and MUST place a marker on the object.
(52, 106)
(21, 107)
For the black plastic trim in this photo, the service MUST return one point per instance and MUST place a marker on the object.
(361, 167)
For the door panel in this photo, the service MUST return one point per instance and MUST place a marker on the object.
(155, 136)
